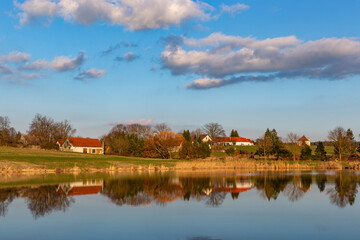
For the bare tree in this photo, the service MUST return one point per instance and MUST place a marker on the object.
(265, 145)
(214, 130)
(63, 130)
(340, 141)
(292, 140)
(162, 127)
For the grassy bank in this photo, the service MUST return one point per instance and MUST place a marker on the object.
(29, 161)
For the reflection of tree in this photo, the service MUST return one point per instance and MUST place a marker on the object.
(344, 192)
(271, 185)
(293, 192)
(321, 181)
(195, 186)
(215, 199)
(6, 197)
(45, 199)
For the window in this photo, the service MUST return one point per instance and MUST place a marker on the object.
(93, 151)
(84, 150)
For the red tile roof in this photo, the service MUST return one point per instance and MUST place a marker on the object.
(76, 191)
(85, 142)
(303, 139)
(231, 139)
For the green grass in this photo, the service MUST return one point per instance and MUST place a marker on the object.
(57, 159)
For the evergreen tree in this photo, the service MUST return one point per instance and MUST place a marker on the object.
(320, 152)
(187, 135)
(234, 133)
(305, 153)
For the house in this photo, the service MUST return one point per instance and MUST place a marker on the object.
(303, 140)
(232, 141)
(203, 137)
(85, 187)
(81, 145)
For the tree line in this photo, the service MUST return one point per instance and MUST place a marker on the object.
(160, 141)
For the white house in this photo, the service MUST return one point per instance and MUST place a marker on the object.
(203, 137)
(232, 141)
(303, 140)
(81, 145)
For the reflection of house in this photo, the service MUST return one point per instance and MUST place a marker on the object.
(232, 141)
(202, 137)
(238, 187)
(81, 145)
(303, 140)
(85, 187)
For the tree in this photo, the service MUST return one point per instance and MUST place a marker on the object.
(163, 144)
(42, 128)
(352, 143)
(277, 147)
(320, 152)
(63, 130)
(292, 143)
(234, 133)
(187, 135)
(305, 152)
(214, 130)
(340, 140)
(162, 127)
(8, 135)
(265, 146)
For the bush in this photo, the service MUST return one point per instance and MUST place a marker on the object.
(230, 151)
(49, 145)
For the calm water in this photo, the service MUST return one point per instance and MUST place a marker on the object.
(307, 205)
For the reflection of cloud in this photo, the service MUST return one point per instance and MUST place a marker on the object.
(136, 15)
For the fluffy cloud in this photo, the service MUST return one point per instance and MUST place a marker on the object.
(90, 74)
(59, 64)
(218, 56)
(17, 68)
(128, 57)
(15, 57)
(234, 9)
(134, 14)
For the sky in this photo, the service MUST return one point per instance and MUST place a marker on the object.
(248, 65)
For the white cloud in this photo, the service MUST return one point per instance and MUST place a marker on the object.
(15, 57)
(222, 56)
(234, 9)
(127, 57)
(91, 74)
(59, 64)
(146, 122)
(206, 83)
(134, 14)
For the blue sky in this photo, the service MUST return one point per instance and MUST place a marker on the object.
(186, 64)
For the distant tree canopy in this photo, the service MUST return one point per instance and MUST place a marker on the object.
(8, 134)
(271, 144)
(234, 133)
(214, 130)
(45, 131)
(343, 141)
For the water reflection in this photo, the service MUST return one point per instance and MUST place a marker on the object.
(340, 187)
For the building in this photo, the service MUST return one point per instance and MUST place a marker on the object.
(204, 137)
(303, 140)
(81, 145)
(232, 141)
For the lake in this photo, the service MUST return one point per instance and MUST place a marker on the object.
(191, 206)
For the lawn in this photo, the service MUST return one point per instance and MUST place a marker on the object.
(57, 159)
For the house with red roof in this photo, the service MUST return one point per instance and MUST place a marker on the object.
(81, 145)
(304, 140)
(232, 141)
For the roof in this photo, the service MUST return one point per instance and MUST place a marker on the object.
(60, 141)
(201, 136)
(231, 139)
(76, 191)
(85, 142)
(303, 139)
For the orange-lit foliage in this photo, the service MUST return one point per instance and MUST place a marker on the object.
(163, 144)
